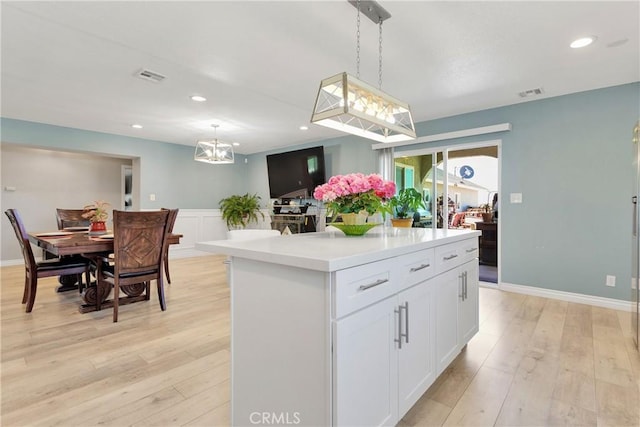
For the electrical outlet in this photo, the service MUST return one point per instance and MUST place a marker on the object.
(152, 197)
(611, 281)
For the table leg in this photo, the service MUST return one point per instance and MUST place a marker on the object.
(68, 283)
(91, 294)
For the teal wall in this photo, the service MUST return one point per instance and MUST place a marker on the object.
(166, 170)
(570, 157)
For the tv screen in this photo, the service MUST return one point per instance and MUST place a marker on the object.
(295, 174)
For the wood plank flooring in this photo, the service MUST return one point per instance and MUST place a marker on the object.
(534, 362)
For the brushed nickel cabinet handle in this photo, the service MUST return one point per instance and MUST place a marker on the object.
(398, 311)
(471, 250)
(450, 257)
(422, 267)
(466, 276)
(374, 284)
(406, 321)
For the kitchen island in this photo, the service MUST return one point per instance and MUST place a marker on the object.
(334, 330)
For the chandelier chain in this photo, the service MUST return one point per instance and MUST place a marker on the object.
(380, 57)
(358, 41)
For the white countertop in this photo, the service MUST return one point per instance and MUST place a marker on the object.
(332, 250)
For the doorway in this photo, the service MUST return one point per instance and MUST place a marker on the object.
(127, 188)
(468, 177)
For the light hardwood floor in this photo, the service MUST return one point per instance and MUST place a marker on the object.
(534, 362)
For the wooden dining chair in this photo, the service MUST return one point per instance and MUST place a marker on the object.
(71, 218)
(139, 244)
(68, 218)
(171, 220)
(72, 265)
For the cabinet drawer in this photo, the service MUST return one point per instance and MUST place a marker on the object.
(453, 254)
(361, 286)
(416, 267)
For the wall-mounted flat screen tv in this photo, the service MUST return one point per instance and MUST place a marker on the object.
(295, 174)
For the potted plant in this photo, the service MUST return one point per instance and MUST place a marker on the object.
(487, 215)
(239, 210)
(407, 201)
(97, 213)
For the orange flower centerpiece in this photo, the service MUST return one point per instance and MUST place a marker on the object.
(354, 197)
(97, 214)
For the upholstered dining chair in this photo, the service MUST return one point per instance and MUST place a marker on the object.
(71, 218)
(171, 220)
(72, 265)
(138, 252)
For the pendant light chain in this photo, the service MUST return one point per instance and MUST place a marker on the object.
(380, 57)
(358, 42)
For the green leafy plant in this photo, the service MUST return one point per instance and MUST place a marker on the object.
(97, 211)
(240, 210)
(406, 201)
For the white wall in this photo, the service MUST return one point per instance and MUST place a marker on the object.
(45, 180)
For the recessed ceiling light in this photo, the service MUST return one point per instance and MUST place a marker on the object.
(136, 126)
(582, 42)
(304, 127)
(236, 144)
(198, 98)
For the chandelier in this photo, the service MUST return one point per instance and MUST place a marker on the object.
(214, 152)
(348, 104)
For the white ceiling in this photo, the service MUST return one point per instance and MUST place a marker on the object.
(260, 63)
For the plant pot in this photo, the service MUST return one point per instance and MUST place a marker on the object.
(487, 217)
(402, 222)
(98, 227)
(354, 218)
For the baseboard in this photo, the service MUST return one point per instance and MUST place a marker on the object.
(489, 285)
(611, 303)
(10, 262)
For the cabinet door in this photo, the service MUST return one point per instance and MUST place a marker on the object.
(447, 335)
(365, 369)
(468, 308)
(417, 357)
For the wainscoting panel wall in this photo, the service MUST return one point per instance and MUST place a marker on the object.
(201, 225)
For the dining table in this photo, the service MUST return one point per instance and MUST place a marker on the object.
(78, 241)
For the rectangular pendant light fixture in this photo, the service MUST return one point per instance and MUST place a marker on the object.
(214, 152)
(350, 105)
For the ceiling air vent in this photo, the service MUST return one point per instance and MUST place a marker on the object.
(150, 76)
(531, 92)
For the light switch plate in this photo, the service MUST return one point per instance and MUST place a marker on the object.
(516, 197)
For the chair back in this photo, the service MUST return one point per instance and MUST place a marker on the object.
(23, 238)
(171, 220)
(139, 241)
(71, 218)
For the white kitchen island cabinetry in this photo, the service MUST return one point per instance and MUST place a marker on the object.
(334, 330)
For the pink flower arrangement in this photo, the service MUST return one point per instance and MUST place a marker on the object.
(355, 192)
